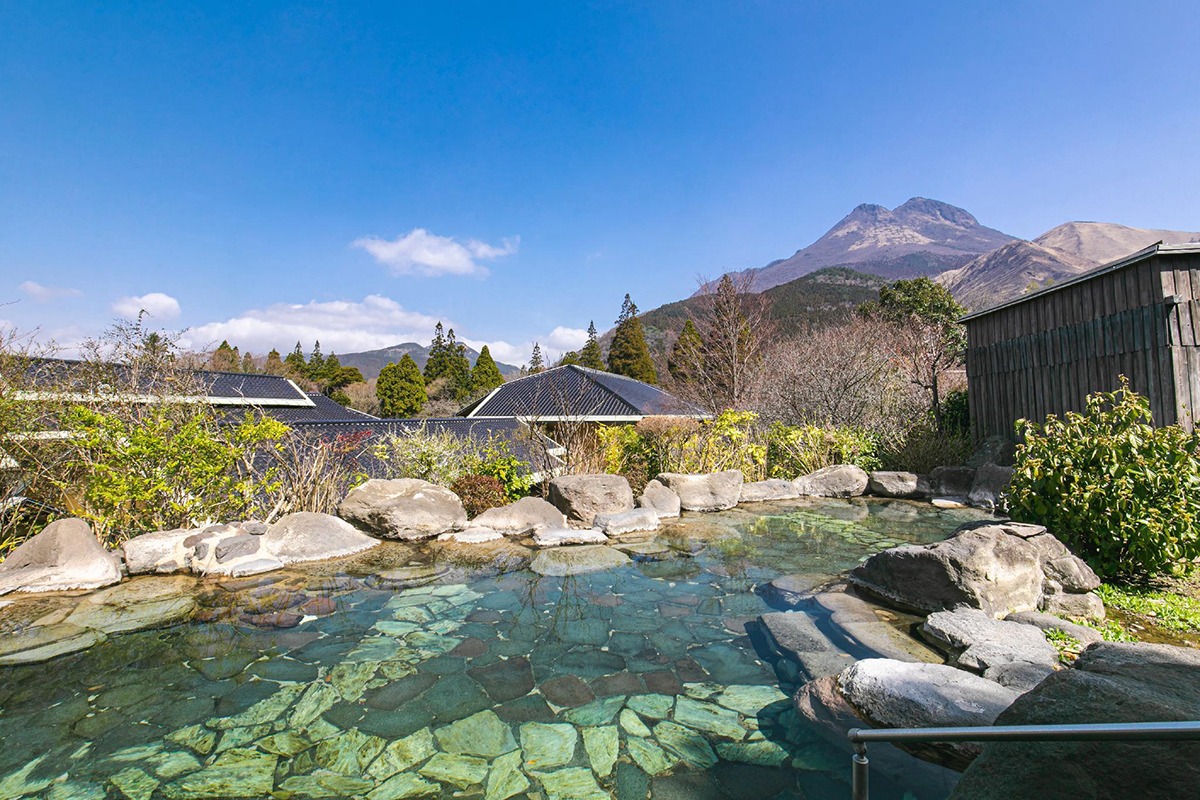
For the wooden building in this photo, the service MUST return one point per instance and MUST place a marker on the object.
(1043, 353)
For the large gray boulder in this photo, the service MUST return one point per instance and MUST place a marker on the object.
(160, 551)
(770, 489)
(997, 567)
(839, 480)
(582, 497)
(405, 509)
(65, 555)
(625, 522)
(1109, 683)
(881, 692)
(525, 516)
(1010, 653)
(658, 497)
(951, 481)
(988, 487)
(715, 491)
(308, 536)
(898, 484)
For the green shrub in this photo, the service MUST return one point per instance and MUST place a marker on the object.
(497, 461)
(795, 450)
(1122, 494)
(956, 413)
(924, 447)
(478, 493)
(442, 458)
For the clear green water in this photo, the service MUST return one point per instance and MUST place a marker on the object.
(357, 703)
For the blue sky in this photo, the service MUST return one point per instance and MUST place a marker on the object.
(267, 172)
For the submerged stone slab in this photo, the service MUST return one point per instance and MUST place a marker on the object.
(506, 779)
(404, 786)
(653, 759)
(574, 783)
(686, 743)
(565, 561)
(43, 643)
(598, 712)
(556, 537)
(456, 770)
(548, 745)
(749, 700)
(709, 717)
(602, 745)
(236, 773)
(402, 754)
(483, 734)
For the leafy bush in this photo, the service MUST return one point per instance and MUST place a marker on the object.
(795, 450)
(924, 447)
(497, 461)
(479, 493)
(443, 458)
(956, 413)
(1121, 493)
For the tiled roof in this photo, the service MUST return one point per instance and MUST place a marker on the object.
(323, 409)
(581, 393)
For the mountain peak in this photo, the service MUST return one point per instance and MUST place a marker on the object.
(936, 210)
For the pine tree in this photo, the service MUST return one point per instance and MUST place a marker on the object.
(274, 364)
(485, 375)
(687, 355)
(629, 355)
(401, 389)
(438, 362)
(248, 364)
(536, 364)
(591, 356)
(296, 363)
(568, 359)
(316, 364)
(334, 377)
(224, 358)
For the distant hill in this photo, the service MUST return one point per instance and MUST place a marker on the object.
(372, 361)
(1057, 255)
(919, 237)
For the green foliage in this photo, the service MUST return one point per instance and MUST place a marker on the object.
(536, 362)
(1121, 493)
(1068, 646)
(155, 471)
(478, 493)
(629, 354)
(590, 355)
(496, 460)
(924, 447)
(569, 359)
(956, 413)
(686, 354)
(449, 366)
(1175, 612)
(795, 450)
(485, 375)
(274, 365)
(401, 389)
(443, 458)
(923, 299)
(225, 358)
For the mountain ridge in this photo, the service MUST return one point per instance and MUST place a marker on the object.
(370, 362)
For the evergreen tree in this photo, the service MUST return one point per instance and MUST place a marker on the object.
(335, 377)
(224, 358)
(687, 355)
(459, 373)
(248, 364)
(438, 363)
(569, 358)
(485, 375)
(296, 363)
(629, 354)
(591, 356)
(274, 364)
(536, 364)
(401, 389)
(316, 364)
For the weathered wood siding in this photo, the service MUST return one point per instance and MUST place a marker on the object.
(1046, 354)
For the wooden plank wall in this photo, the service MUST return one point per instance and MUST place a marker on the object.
(1045, 355)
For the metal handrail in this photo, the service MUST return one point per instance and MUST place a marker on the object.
(1139, 731)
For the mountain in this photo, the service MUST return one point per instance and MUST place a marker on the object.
(372, 361)
(919, 237)
(1057, 255)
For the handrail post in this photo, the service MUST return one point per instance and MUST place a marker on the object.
(860, 768)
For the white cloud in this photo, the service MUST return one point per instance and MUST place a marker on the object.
(44, 294)
(157, 305)
(420, 252)
(553, 345)
(342, 326)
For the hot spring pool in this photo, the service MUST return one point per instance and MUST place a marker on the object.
(464, 675)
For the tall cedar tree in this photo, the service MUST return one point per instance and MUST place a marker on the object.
(274, 364)
(485, 375)
(296, 363)
(248, 364)
(448, 362)
(591, 356)
(568, 359)
(401, 389)
(224, 358)
(536, 363)
(687, 355)
(629, 354)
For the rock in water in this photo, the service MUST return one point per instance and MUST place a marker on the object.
(773, 489)
(658, 497)
(582, 497)
(996, 567)
(562, 561)
(562, 536)
(898, 484)
(65, 555)
(1110, 682)
(527, 515)
(840, 480)
(308, 536)
(717, 491)
(1015, 655)
(951, 481)
(406, 509)
(988, 487)
(639, 519)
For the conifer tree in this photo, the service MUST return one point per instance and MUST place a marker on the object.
(485, 375)
(536, 364)
(274, 364)
(591, 356)
(224, 358)
(438, 362)
(401, 389)
(459, 373)
(687, 355)
(316, 364)
(569, 358)
(296, 363)
(629, 354)
(248, 364)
